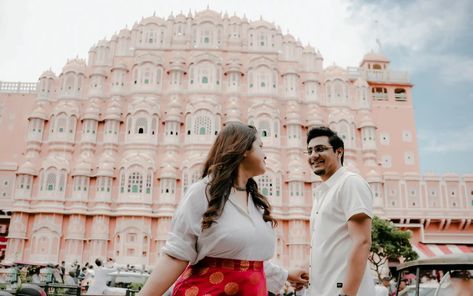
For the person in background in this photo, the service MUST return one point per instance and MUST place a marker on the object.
(222, 234)
(36, 278)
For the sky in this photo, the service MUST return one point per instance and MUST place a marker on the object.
(431, 39)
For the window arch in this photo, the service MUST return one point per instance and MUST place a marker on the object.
(400, 94)
(141, 125)
(135, 182)
(265, 128)
(51, 181)
(269, 185)
(202, 122)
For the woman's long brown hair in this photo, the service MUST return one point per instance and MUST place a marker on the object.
(222, 168)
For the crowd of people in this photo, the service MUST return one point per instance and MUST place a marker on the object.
(86, 276)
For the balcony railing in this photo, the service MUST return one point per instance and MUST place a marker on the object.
(17, 87)
(378, 75)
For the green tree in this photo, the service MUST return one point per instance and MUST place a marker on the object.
(389, 243)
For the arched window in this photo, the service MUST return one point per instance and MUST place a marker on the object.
(146, 76)
(141, 125)
(205, 80)
(62, 180)
(400, 94)
(51, 182)
(122, 181)
(135, 182)
(265, 185)
(148, 181)
(61, 123)
(202, 123)
(69, 82)
(264, 128)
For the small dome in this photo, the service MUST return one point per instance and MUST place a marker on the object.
(92, 111)
(365, 120)
(261, 23)
(288, 38)
(47, 74)
(233, 65)
(38, 112)
(308, 50)
(334, 71)
(375, 57)
(296, 170)
(177, 63)
(27, 168)
(119, 66)
(102, 43)
(152, 20)
(180, 17)
(83, 166)
(75, 65)
(233, 112)
(289, 70)
(169, 166)
(113, 110)
(315, 118)
(361, 82)
(173, 112)
(124, 33)
(235, 20)
(208, 14)
(106, 165)
(168, 172)
(373, 177)
(96, 71)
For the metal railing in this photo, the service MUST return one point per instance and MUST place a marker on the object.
(18, 87)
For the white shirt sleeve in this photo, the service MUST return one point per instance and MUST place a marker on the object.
(356, 197)
(186, 225)
(276, 276)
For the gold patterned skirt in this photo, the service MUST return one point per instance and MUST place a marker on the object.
(217, 276)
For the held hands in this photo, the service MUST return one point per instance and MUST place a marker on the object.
(298, 277)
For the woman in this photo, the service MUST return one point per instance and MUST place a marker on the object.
(222, 233)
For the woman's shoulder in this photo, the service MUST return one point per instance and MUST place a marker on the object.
(195, 195)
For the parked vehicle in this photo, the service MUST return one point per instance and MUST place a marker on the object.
(456, 271)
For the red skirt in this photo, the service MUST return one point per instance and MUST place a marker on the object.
(216, 276)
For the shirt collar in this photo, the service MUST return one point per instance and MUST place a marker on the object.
(334, 178)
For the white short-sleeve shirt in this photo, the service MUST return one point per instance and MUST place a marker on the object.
(343, 195)
(236, 234)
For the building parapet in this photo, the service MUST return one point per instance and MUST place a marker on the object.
(18, 87)
(379, 76)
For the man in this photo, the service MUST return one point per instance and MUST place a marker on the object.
(381, 290)
(387, 283)
(340, 221)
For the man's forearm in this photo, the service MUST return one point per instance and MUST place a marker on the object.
(356, 267)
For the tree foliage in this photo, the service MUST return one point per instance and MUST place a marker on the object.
(389, 243)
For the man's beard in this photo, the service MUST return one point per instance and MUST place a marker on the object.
(319, 172)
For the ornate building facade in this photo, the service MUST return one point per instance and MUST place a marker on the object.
(95, 160)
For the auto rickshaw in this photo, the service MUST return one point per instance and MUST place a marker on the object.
(448, 275)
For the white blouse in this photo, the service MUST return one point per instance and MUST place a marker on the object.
(236, 234)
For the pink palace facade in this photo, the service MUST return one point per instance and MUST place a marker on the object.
(95, 159)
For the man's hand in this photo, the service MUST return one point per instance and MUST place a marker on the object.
(298, 277)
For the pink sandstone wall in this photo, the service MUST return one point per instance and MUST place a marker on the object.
(104, 151)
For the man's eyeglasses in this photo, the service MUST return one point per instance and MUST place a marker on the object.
(317, 149)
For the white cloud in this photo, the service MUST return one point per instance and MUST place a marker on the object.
(416, 25)
(452, 140)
